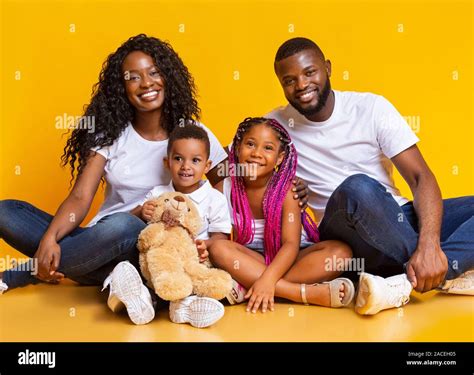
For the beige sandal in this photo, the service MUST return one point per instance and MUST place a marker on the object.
(334, 287)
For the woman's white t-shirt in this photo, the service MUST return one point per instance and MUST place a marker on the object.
(134, 166)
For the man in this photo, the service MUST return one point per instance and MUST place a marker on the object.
(347, 143)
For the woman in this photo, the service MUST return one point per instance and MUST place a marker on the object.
(144, 91)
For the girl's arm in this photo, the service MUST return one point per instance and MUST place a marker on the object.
(69, 215)
(290, 240)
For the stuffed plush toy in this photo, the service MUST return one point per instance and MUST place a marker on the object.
(169, 259)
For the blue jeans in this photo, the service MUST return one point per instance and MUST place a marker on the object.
(363, 214)
(88, 255)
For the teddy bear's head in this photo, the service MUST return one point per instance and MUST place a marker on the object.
(175, 209)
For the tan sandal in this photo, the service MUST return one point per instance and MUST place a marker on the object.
(334, 287)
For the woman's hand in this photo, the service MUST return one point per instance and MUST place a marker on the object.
(148, 209)
(301, 193)
(48, 256)
(202, 250)
(261, 293)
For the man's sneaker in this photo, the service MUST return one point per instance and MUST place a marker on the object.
(200, 312)
(3, 286)
(236, 294)
(127, 289)
(377, 293)
(464, 284)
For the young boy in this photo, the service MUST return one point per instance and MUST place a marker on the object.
(187, 161)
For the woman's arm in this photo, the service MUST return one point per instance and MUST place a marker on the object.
(69, 215)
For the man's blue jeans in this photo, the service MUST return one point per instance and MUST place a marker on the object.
(363, 214)
(88, 255)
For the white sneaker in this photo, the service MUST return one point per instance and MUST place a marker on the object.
(236, 294)
(3, 286)
(376, 293)
(200, 312)
(464, 284)
(127, 289)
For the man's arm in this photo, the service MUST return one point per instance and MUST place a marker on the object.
(428, 265)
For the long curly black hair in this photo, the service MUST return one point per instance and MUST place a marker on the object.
(110, 106)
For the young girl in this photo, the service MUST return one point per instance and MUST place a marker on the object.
(266, 257)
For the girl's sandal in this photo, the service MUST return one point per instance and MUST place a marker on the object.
(334, 287)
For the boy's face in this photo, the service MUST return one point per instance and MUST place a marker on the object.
(187, 163)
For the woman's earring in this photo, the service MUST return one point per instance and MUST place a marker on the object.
(276, 168)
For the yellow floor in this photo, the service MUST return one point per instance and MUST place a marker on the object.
(69, 312)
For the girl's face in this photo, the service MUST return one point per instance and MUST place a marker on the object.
(144, 85)
(259, 151)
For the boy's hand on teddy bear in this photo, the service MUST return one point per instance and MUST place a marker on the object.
(148, 210)
(202, 250)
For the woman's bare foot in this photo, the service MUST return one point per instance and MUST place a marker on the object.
(320, 294)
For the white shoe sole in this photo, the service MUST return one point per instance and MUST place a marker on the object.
(200, 313)
(129, 291)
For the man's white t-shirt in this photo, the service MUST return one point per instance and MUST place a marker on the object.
(363, 133)
(134, 166)
(211, 204)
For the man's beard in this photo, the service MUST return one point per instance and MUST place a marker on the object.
(322, 99)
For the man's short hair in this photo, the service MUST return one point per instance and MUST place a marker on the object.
(296, 45)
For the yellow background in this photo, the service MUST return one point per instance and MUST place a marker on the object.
(409, 51)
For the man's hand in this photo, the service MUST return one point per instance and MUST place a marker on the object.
(427, 267)
(301, 193)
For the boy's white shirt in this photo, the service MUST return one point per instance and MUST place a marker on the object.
(211, 204)
(134, 165)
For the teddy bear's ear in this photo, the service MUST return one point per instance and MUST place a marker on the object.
(192, 220)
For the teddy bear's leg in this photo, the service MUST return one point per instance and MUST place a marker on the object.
(144, 269)
(208, 282)
(169, 280)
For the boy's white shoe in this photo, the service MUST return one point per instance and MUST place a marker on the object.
(127, 289)
(464, 284)
(236, 294)
(200, 312)
(376, 293)
(3, 286)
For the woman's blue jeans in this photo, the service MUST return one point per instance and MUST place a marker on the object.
(88, 255)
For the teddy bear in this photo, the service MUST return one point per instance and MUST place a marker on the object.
(169, 259)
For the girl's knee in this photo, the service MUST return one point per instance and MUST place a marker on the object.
(219, 251)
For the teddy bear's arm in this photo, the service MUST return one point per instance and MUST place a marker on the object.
(152, 236)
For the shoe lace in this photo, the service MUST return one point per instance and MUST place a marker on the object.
(107, 282)
(461, 283)
(399, 294)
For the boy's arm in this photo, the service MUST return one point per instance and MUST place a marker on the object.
(137, 212)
